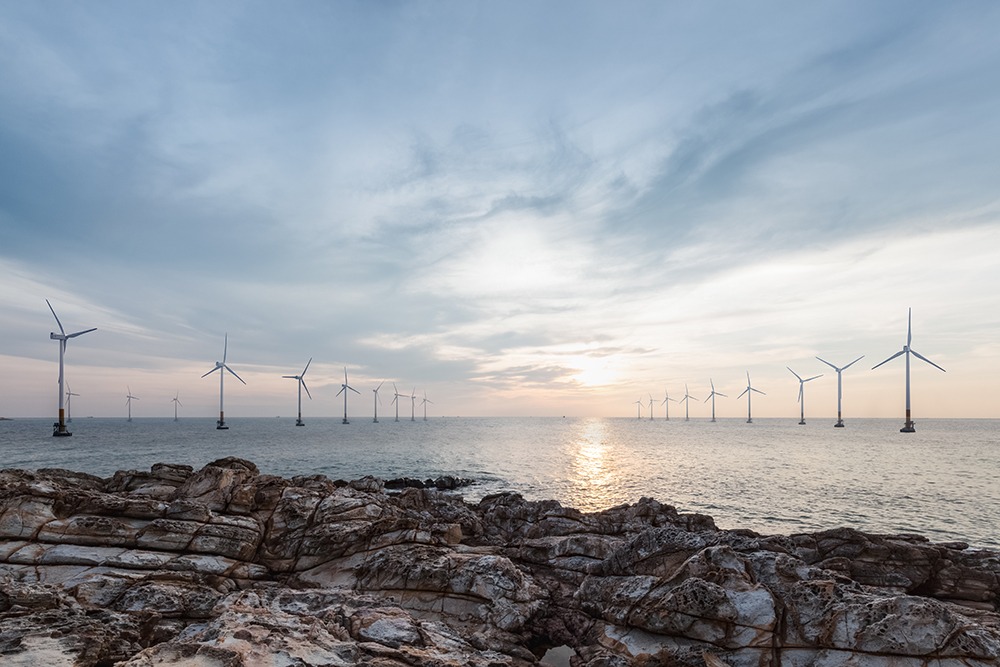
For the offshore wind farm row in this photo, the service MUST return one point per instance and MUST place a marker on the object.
(908, 426)
(59, 428)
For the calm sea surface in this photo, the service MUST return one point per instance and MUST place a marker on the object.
(772, 476)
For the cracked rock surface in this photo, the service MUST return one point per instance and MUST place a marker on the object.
(224, 566)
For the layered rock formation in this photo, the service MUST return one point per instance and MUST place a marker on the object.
(227, 567)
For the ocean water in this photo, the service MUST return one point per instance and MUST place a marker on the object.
(772, 476)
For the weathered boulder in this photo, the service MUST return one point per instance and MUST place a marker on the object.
(226, 566)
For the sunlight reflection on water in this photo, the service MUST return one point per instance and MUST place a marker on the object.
(773, 476)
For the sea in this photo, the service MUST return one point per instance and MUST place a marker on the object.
(773, 476)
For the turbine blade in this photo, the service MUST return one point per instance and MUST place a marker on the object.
(920, 356)
(342, 387)
(304, 386)
(355, 390)
(225, 348)
(794, 373)
(813, 377)
(853, 362)
(212, 371)
(758, 391)
(233, 372)
(909, 326)
(722, 395)
(889, 359)
(832, 366)
(80, 333)
(61, 330)
(379, 386)
(743, 392)
(291, 377)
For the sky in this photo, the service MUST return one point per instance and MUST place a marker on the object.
(511, 208)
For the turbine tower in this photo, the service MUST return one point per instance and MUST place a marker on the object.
(748, 391)
(59, 428)
(395, 399)
(302, 384)
(222, 368)
(686, 400)
(176, 401)
(69, 408)
(128, 401)
(377, 400)
(638, 409)
(907, 350)
(712, 396)
(413, 405)
(424, 403)
(666, 403)
(650, 407)
(802, 394)
(840, 387)
(343, 390)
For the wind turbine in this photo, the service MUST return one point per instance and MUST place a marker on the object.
(69, 408)
(128, 401)
(712, 396)
(638, 409)
(686, 400)
(840, 386)
(302, 383)
(378, 400)
(413, 405)
(650, 407)
(424, 403)
(802, 394)
(907, 350)
(176, 401)
(343, 390)
(748, 391)
(666, 402)
(395, 399)
(59, 428)
(222, 367)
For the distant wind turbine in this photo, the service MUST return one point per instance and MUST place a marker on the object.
(377, 400)
(802, 393)
(69, 407)
(59, 428)
(424, 403)
(907, 350)
(222, 368)
(650, 407)
(302, 385)
(748, 391)
(128, 401)
(712, 396)
(413, 405)
(638, 407)
(343, 390)
(687, 398)
(176, 401)
(395, 399)
(666, 403)
(840, 387)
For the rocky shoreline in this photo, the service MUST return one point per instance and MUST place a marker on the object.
(226, 567)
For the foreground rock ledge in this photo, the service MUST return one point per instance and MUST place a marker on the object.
(227, 567)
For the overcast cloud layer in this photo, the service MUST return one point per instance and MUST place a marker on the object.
(518, 208)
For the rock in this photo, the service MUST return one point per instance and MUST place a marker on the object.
(226, 566)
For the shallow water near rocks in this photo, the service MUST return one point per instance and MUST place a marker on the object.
(772, 476)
